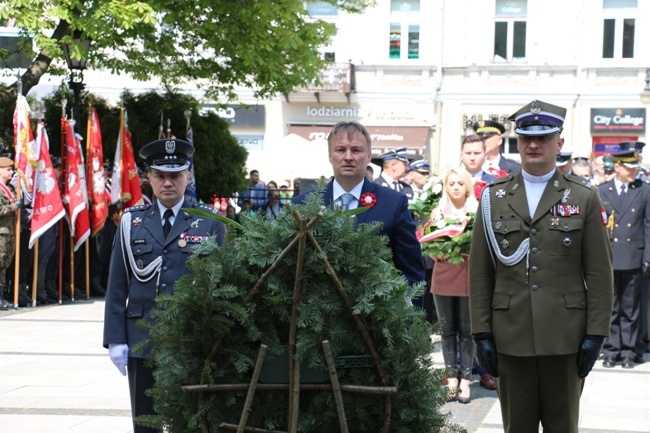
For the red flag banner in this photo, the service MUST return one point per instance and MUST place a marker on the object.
(26, 150)
(125, 182)
(46, 196)
(75, 189)
(95, 175)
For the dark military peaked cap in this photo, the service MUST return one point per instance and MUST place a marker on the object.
(395, 154)
(629, 158)
(169, 154)
(563, 158)
(631, 145)
(420, 165)
(539, 118)
(485, 128)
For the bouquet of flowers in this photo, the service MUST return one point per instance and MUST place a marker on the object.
(442, 236)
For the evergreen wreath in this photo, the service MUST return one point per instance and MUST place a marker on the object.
(240, 296)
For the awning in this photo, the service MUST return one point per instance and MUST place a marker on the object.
(414, 138)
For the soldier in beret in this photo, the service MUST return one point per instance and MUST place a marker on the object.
(540, 281)
(8, 206)
(152, 246)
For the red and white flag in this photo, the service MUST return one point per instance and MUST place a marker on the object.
(75, 189)
(26, 150)
(95, 175)
(125, 182)
(46, 196)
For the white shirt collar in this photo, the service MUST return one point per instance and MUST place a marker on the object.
(338, 191)
(176, 208)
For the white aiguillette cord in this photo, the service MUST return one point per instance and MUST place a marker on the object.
(142, 275)
(489, 233)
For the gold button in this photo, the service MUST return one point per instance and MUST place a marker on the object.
(615, 239)
(629, 240)
(629, 225)
(615, 225)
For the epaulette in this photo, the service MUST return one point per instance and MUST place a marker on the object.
(139, 207)
(500, 180)
(578, 179)
(206, 207)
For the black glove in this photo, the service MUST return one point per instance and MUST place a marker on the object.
(588, 354)
(486, 353)
(645, 268)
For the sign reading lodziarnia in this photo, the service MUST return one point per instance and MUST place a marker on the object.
(618, 120)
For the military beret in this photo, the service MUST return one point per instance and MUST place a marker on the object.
(6, 162)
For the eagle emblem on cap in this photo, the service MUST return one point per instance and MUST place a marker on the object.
(535, 107)
(170, 146)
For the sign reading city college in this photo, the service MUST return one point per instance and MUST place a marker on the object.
(236, 114)
(618, 120)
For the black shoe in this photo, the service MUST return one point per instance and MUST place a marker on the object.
(24, 300)
(5, 305)
(97, 291)
(609, 362)
(638, 359)
(627, 363)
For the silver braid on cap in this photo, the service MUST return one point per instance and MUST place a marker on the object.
(489, 233)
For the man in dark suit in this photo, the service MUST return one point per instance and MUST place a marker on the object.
(349, 146)
(627, 202)
(472, 156)
(540, 281)
(492, 132)
(152, 246)
(395, 165)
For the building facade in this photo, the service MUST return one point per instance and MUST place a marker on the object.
(418, 73)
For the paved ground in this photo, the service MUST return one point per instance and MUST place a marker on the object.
(55, 377)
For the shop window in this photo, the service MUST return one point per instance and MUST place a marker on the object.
(510, 30)
(619, 29)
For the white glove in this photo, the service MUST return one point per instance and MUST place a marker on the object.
(119, 354)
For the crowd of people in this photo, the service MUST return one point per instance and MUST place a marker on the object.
(545, 232)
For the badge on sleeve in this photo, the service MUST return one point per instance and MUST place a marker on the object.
(603, 216)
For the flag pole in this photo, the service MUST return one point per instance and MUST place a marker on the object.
(39, 118)
(161, 133)
(89, 201)
(62, 179)
(17, 235)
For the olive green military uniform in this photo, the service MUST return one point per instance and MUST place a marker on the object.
(7, 235)
(546, 297)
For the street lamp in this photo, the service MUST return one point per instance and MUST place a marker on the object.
(645, 95)
(75, 56)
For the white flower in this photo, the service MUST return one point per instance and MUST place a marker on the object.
(437, 188)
